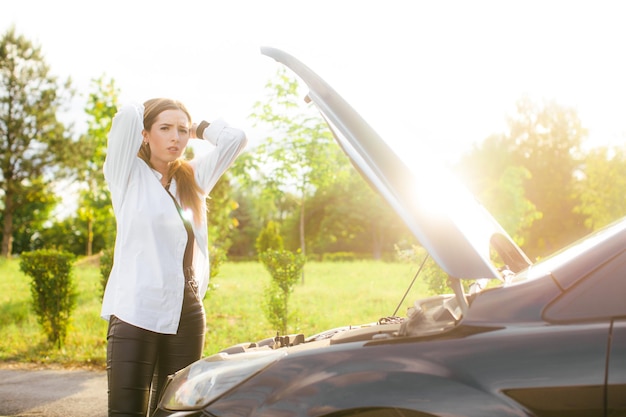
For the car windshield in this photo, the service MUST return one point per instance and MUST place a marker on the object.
(565, 256)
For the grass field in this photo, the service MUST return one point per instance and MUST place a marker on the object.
(332, 295)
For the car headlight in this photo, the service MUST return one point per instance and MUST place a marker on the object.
(205, 380)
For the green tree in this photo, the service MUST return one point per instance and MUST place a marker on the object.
(65, 235)
(34, 205)
(303, 156)
(603, 186)
(545, 140)
(94, 209)
(349, 216)
(33, 143)
(222, 223)
(489, 171)
(248, 225)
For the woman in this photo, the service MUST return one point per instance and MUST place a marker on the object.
(153, 298)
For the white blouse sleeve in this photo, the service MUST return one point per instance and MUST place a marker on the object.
(123, 144)
(229, 143)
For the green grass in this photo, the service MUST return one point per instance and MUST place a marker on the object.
(332, 295)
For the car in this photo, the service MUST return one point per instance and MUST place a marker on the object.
(548, 340)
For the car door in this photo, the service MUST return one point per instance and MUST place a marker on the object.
(601, 297)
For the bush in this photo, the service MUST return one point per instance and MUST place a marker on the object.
(269, 238)
(54, 293)
(285, 268)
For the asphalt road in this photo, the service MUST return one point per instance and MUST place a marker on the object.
(53, 393)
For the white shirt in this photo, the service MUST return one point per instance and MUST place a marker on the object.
(146, 284)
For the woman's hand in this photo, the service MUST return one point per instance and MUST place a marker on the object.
(192, 132)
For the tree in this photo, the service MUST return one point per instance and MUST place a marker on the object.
(34, 207)
(248, 224)
(349, 216)
(545, 139)
(527, 177)
(65, 235)
(304, 156)
(489, 171)
(33, 143)
(222, 223)
(603, 186)
(95, 208)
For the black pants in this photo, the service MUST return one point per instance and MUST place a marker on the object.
(139, 361)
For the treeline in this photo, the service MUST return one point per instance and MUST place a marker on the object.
(536, 178)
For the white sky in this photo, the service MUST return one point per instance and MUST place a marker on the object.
(450, 70)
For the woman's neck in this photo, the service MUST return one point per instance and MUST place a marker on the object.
(162, 168)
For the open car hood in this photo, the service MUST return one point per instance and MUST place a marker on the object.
(453, 227)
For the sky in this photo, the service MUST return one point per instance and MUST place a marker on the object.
(448, 71)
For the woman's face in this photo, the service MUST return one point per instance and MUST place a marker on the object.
(167, 137)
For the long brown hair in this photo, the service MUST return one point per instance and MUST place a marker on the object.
(186, 187)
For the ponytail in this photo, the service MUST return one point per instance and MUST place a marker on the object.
(187, 189)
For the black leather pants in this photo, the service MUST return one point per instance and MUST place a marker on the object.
(139, 361)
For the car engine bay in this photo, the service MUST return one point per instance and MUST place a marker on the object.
(427, 316)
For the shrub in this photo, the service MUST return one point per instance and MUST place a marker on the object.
(285, 268)
(54, 293)
(269, 238)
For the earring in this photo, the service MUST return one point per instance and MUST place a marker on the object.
(144, 143)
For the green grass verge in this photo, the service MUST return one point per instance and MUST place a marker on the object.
(332, 295)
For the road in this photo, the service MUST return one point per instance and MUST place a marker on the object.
(52, 393)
